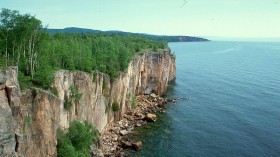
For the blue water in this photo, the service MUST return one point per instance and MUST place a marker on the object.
(234, 105)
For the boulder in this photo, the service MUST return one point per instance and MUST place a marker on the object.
(124, 132)
(151, 117)
(123, 154)
(153, 95)
(126, 144)
(116, 129)
(99, 153)
(137, 145)
(96, 152)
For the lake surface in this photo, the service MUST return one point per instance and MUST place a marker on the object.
(233, 107)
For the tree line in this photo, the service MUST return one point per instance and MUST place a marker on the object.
(26, 43)
(168, 38)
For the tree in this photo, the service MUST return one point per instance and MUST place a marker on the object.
(23, 34)
(25, 43)
(7, 25)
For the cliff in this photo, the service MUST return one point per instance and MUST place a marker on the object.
(29, 119)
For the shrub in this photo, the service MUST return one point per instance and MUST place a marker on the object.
(76, 140)
(75, 94)
(155, 48)
(24, 81)
(67, 104)
(80, 134)
(137, 48)
(44, 77)
(54, 91)
(64, 145)
(115, 106)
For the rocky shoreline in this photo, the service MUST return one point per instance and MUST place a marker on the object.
(115, 138)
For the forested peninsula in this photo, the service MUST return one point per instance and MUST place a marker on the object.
(168, 38)
(76, 93)
(25, 43)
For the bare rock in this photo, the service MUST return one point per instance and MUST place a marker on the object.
(137, 145)
(2, 79)
(126, 144)
(2, 86)
(99, 153)
(151, 117)
(153, 95)
(116, 129)
(124, 132)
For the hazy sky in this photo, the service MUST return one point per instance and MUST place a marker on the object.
(225, 18)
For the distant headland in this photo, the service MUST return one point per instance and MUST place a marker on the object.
(167, 38)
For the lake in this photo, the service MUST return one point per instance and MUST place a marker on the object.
(233, 107)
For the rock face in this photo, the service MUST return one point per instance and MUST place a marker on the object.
(8, 125)
(29, 119)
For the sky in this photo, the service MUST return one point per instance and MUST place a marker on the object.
(216, 18)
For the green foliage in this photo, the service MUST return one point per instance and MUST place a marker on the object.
(24, 81)
(67, 104)
(115, 106)
(162, 38)
(64, 145)
(75, 95)
(155, 48)
(27, 120)
(54, 91)
(21, 37)
(2, 61)
(81, 134)
(76, 140)
(133, 102)
(24, 43)
(44, 77)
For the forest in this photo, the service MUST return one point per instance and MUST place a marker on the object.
(25, 43)
(168, 38)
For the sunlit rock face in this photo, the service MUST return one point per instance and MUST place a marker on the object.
(29, 119)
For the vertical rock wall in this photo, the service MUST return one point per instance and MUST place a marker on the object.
(28, 120)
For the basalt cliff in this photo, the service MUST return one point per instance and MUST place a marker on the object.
(29, 118)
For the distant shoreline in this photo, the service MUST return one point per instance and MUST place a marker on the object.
(168, 38)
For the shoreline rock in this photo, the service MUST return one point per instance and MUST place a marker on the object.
(115, 138)
(151, 117)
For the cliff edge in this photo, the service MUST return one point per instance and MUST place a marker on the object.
(29, 119)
